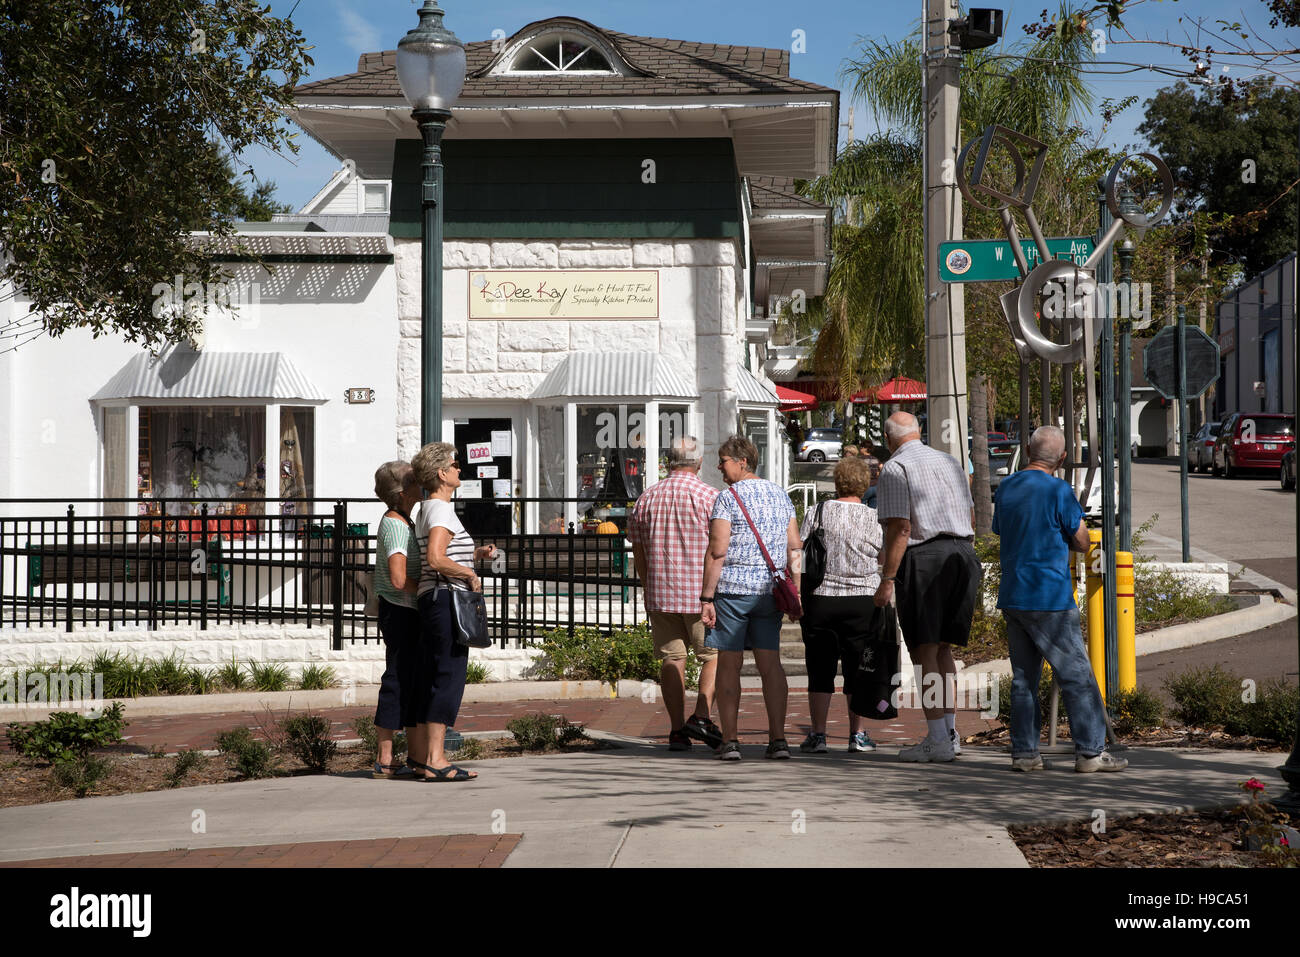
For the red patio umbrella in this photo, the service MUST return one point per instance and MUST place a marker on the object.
(795, 401)
(901, 389)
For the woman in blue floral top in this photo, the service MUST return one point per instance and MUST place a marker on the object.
(740, 611)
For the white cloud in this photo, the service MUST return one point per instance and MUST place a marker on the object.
(360, 31)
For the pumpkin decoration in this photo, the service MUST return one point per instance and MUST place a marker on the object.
(607, 528)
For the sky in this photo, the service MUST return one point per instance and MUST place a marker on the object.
(341, 30)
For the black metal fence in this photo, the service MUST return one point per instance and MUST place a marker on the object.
(248, 562)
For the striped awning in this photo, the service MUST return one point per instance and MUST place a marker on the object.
(752, 392)
(614, 375)
(182, 373)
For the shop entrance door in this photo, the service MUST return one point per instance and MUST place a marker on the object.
(485, 449)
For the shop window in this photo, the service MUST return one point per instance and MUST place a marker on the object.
(115, 460)
(297, 453)
(190, 456)
(611, 461)
(550, 458)
(673, 425)
(753, 426)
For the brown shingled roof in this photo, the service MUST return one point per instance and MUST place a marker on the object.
(671, 68)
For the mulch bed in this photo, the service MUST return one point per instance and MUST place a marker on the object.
(28, 781)
(1166, 737)
(1208, 838)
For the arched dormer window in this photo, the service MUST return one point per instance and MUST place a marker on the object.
(560, 52)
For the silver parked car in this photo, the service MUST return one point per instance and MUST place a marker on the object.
(821, 445)
(1200, 450)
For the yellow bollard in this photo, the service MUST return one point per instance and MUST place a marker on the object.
(1096, 610)
(1127, 617)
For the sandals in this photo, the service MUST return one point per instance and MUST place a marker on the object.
(449, 773)
(390, 770)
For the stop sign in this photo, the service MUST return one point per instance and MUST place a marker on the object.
(1160, 361)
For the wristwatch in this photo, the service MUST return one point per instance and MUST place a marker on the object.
(707, 599)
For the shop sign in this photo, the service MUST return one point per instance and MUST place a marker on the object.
(564, 294)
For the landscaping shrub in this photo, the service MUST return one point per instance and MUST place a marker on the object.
(471, 749)
(317, 678)
(186, 761)
(268, 677)
(202, 682)
(1044, 698)
(590, 654)
(248, 757)
(124, 676)
(544, 732)
(169, 675)
(1136, 710)
(1163, 598)
(307, 737)
(231, 676)
(1207, 698)
(476, 673)
(67, 735)
(1272, 716)
(364, 726)
(81, 773)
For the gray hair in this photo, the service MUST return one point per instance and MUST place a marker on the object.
(900, 425)
(391, 480)
(685, 453)
(429, 461)
(1047, 444)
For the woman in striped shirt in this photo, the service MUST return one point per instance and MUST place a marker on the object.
(448, 562)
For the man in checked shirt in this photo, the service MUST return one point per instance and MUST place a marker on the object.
(669, 532)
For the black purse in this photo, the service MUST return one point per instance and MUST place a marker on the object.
(814, 557)
(469, 618)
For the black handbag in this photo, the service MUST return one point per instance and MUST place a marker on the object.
(877, 675)
(814, 557)
(469, 618)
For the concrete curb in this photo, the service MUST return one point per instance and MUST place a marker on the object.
(1229, 625)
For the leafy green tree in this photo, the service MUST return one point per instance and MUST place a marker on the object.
(1236, 157)
(116, 121)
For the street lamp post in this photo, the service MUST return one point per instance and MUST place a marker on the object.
(1124, 404)
(431, 73)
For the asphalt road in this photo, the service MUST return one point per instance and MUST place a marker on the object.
(1248, 520)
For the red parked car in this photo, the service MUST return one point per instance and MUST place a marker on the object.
(1253, 440)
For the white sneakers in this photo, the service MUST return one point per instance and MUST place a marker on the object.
(1028, 764)
(928, 750)
(955, 739)
(1100, 762)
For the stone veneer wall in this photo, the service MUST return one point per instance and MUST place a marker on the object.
(700, 327)
(293, 646)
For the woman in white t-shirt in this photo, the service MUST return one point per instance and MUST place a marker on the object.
(448, 556)
(838, 615)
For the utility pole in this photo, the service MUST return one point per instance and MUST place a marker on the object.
(945, 314)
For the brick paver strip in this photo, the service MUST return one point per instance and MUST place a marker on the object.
(456, 850)
(629, 716)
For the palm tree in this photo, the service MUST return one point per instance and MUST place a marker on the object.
(873, 313)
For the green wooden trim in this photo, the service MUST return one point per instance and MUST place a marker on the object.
(570, 189)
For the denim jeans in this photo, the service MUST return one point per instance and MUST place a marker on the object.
(1058, 637)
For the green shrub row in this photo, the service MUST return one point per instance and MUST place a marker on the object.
(126, 676)
(1214, 698)
(544, 732)
(593, 655)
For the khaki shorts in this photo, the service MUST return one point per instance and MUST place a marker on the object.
(672, 632)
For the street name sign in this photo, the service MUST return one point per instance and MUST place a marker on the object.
(990, 260)
(1160, 361)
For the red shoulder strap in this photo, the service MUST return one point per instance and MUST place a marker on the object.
(771, 565)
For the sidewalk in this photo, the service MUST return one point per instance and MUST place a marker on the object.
(637, 806)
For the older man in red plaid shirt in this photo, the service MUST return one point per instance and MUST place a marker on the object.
(669, 532)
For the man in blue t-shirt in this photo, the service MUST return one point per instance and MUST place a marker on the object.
(1040, 522)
